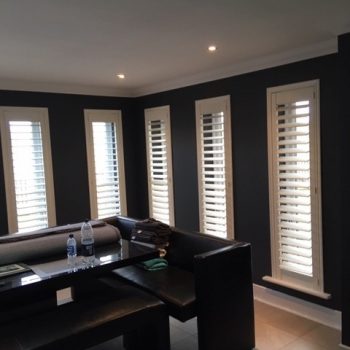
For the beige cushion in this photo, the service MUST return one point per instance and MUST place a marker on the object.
(42, 243)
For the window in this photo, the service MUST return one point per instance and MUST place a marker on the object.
(295, 192)
(159, 164)
(26, 149)
(213, 126)
(104, 145)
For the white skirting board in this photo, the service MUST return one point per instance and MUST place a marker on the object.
(318, 313)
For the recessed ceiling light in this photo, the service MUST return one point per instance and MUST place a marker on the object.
(121, 76)
(212, 48)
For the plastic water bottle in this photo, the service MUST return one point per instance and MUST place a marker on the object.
(87, 244)
(71, 250)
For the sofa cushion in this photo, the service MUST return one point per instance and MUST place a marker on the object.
(172, 285)
(19, 247)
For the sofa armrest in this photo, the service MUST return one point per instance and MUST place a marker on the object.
(125, 224)
(224, 294)
(214, 252)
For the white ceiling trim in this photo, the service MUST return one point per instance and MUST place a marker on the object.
(290, 56)
(320, 49)
(24, 85)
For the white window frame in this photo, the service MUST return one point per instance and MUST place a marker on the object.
(106, 116)
(212, 106)
(8, 114)
(314, 284)
(160, 114)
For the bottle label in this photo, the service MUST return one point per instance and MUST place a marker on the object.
(71, 250)
(87, 249)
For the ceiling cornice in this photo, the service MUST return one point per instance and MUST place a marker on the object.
(290, 56)
(24, 85)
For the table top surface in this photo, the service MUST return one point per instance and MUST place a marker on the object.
(108, 257)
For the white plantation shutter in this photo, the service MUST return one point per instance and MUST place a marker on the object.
(158, 145)
(213, 174)
(105, 163)
(214, 166)
(106, 169)
(28, 178)
(294, 184)
(29, 175)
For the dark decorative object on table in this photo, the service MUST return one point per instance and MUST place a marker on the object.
(152, 232)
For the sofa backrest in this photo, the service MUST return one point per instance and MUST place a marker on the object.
(125, 225)
(183, 245)
(49, 242)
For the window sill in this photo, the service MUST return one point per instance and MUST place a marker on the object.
(315, 293)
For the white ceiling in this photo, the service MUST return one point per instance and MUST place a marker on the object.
(80, 45)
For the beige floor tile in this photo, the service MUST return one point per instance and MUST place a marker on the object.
(177, 334)
(262, 310)
(271, 338)
(275, 330)
(267, 313)
(292, 324)
(301, 344)
(188, 343)
(324, 336)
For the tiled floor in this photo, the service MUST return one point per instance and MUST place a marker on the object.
(274, 330)
(279, 330)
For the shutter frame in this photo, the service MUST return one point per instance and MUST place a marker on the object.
(284, 95)
(30, 115)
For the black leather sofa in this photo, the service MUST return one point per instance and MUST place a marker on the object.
(207, 277)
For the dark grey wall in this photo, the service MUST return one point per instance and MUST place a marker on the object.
(249, 150)
(250, 162)
(67, 132)
(344, 122)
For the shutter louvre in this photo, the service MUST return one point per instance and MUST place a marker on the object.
(213, 176)
(106, 168)
(29, 175)
(158, 168)
(292, 147)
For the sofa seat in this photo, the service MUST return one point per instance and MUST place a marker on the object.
(172, 285)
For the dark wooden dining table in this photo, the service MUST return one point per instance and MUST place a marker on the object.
(108, 258)
(29, 297)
